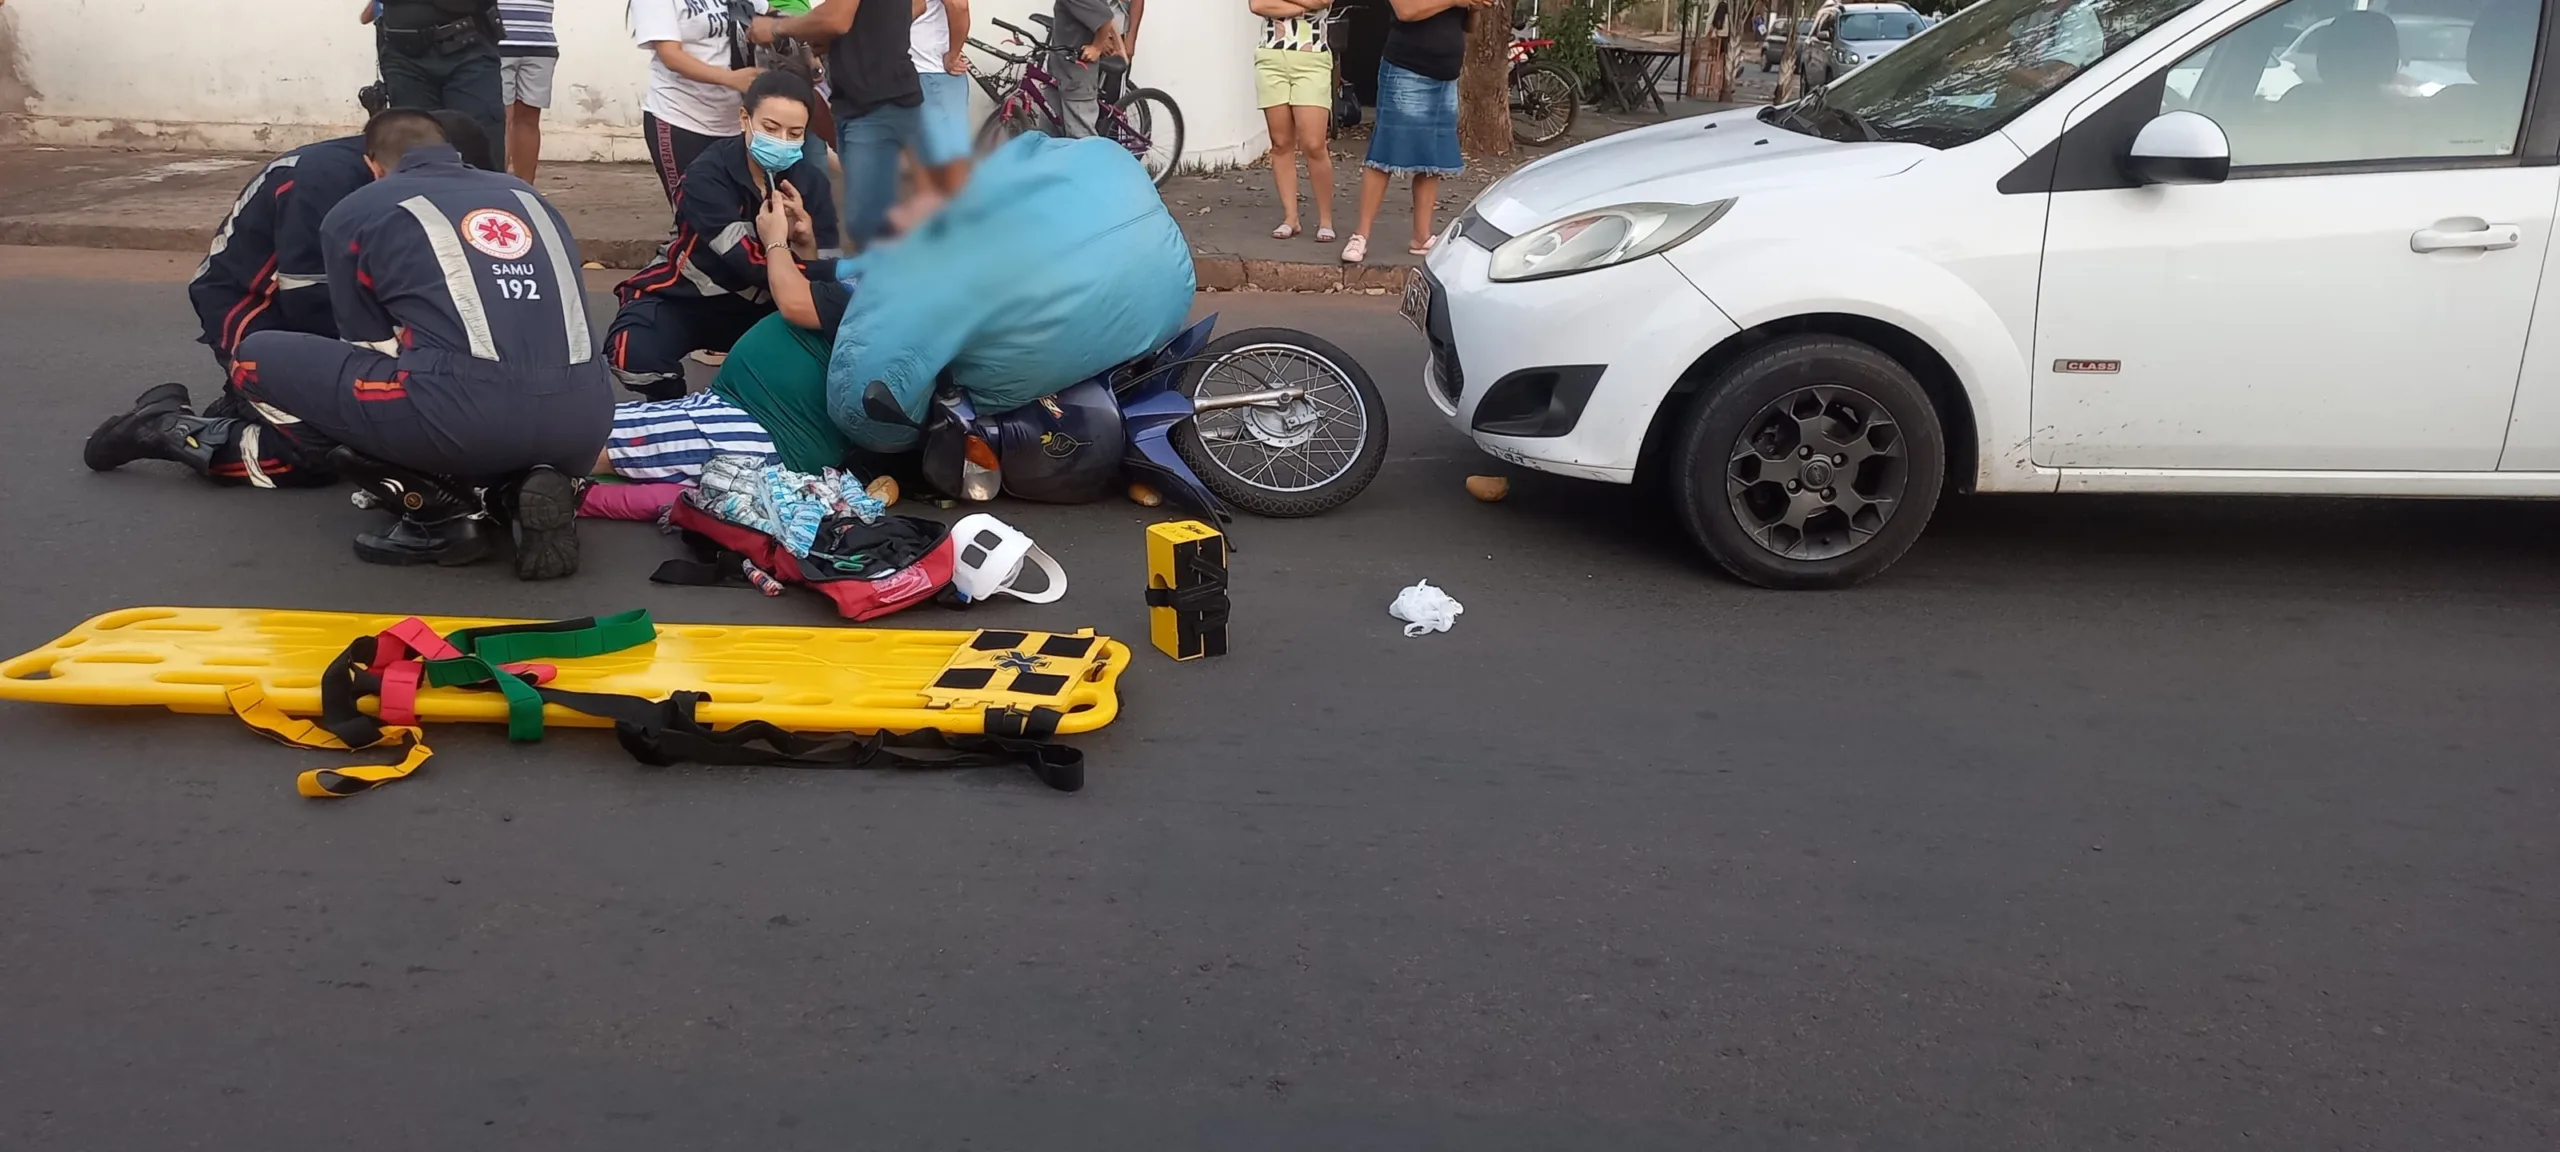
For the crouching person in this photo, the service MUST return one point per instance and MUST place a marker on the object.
(466, 388)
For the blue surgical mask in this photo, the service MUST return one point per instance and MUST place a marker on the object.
(774, 152)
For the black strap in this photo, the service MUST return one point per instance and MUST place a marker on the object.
(1204, 597)
(665, 732)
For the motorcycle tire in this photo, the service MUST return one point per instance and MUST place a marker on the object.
(1340, 381)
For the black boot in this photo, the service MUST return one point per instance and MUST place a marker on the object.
(541, 511)
(141, 432)
(441, 522)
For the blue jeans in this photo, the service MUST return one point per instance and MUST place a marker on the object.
(869, 145)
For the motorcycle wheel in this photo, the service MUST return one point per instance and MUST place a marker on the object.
(1310, 455)
(1542, 103)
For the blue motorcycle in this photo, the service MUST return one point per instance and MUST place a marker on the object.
(1274, 421)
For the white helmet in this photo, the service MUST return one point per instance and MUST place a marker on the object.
(990, 556)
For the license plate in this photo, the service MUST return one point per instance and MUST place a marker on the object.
(1417, 299)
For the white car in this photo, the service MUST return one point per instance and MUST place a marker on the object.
(2010, 259)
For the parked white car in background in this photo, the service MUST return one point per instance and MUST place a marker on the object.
(2011, 258)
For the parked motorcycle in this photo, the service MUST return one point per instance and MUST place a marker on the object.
(1274, 421)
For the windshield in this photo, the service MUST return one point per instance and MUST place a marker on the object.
(1977, 70)
(1879, 26)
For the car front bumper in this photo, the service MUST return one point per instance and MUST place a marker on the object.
(1561, 375)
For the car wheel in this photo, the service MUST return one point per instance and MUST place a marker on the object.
(1814, 462)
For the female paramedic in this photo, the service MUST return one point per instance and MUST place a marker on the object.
(708, 285)
(770, 398)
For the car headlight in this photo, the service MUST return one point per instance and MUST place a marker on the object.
(1601, 237)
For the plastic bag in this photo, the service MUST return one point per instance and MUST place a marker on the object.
(1425, 609)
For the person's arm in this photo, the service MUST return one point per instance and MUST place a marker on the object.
(783, 278)
(673, 55)
(1278, 9)
(302, 267)
(724, 215)
(820, 26)
(1137, 15)
(360, 316)
(366, 16)
(956, 61)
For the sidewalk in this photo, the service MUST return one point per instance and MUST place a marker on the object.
(108, 198)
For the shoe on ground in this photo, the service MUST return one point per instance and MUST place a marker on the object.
(132, 434)
(448, 543)
(542, 515)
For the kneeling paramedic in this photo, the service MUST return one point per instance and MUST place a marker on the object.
(264, 270)
(467, 385)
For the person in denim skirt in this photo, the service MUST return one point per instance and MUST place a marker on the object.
(1417, 132)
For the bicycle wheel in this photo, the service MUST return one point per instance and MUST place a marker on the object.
(1005, 123)
(1149, 124)
(1542, 103)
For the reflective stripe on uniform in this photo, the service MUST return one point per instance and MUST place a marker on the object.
(458, 280)
(702, 283)
(290, 282)
(249, 456)
(567, 285)
(271, 414)
(732, 236)
(222, 238)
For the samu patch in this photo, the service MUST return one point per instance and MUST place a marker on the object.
(497, 233)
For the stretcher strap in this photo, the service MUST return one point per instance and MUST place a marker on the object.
(666, 732)
(557, 640)
(249, 703)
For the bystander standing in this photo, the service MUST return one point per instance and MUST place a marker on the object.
(441, 55)
(529, 55)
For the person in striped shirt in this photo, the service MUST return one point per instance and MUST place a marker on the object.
(528, 55)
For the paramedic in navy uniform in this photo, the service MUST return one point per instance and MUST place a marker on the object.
(467, 365)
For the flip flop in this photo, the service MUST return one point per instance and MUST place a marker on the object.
(1356, 249)
(1425, 249)
(1324, 235)
(1285, 232)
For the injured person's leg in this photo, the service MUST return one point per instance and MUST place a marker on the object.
(226, 449)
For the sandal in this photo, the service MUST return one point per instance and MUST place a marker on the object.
(1356, 250)
(1324, 235)
(1424, 249)
(1285, 232)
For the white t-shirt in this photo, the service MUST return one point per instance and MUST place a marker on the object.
(703, 28)
(929, 39)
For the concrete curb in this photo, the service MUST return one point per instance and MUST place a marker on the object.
(51, 234)
(1215, 272)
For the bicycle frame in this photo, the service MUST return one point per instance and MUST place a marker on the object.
(1035, 89)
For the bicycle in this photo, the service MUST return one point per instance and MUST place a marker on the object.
(1144, 120)
(1542, 95)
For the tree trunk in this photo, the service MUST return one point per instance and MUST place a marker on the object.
(1484, 86)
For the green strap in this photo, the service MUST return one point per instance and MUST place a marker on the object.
(483, 652)
(554, 642)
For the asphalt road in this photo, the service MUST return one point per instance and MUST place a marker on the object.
(2096, 823)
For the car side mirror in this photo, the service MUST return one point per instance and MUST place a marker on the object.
(2180, 148)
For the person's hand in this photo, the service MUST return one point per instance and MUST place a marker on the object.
(760, 29)
(1091, 53)
(956, 61)
(741, 78)
(804, 228)
(773, 223)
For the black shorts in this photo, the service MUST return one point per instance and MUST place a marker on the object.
(652, 335)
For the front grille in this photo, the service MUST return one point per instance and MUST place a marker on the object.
(1444, 347)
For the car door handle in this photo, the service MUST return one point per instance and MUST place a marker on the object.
(2487, 237)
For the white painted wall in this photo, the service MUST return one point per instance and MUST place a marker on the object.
(265, 75)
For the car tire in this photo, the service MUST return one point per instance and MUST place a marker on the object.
(1821, 391)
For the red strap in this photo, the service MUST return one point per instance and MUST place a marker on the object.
(400, 690)
(541, 673)
(411, 636)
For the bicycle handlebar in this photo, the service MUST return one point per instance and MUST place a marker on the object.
(996, 52)
(1016, 29)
